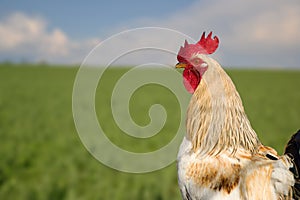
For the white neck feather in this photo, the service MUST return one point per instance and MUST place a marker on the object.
(216, 120)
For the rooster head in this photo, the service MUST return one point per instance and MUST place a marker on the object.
(192, 57)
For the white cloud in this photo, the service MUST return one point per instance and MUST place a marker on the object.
(255, 20)
(252, 32)
(17, 29)
(275, 26)
(27, 37)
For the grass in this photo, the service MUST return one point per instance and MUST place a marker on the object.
(41, 156)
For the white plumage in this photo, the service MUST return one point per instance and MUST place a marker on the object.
(221, 156)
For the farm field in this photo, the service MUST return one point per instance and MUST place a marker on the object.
(42, 157)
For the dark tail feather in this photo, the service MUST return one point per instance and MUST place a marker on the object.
(292, 150)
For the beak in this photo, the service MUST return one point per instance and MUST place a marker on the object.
(180, 65)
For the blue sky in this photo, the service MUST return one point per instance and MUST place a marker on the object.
(252, 32)
(80, 19)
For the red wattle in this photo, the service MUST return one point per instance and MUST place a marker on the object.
(191, 79)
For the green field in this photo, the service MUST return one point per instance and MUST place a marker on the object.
(41, 156)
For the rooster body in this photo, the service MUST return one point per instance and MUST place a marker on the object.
(221, 156)
(242, 176)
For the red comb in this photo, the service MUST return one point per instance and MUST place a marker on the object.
(206, 45)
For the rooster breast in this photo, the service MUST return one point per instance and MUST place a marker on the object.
(224, 176)
(206, 178)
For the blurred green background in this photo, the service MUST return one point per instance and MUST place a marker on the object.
(42, 157)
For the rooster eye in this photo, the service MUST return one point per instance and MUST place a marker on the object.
(197, 61)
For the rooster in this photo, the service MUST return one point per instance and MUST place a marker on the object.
(221, 156)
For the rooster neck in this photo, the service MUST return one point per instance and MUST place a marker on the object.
(216, 120)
